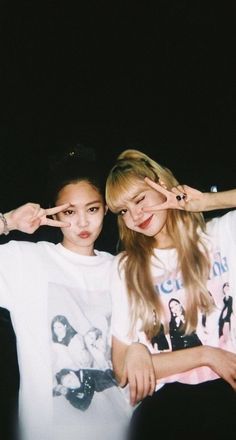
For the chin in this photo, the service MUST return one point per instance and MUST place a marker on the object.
(149, 234)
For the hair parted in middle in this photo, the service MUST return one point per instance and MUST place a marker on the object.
(184, 228)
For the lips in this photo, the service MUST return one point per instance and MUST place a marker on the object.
(84, 234)
(146, 223)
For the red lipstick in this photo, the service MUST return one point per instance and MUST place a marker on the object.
(146, 223)
(84, 234)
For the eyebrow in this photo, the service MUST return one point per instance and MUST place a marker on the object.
(87, 204)
(137, 194)
(118, 208)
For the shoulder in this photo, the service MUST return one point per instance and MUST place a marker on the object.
(18, 255)
(105, 255)
(16, 246)
(104, 259)
(222, 230)
(24, 248)
(119, 258)
(21, 244)
(224, 222)
(36, 247)
(118, 263)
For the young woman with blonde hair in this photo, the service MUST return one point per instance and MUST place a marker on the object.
(171, 253)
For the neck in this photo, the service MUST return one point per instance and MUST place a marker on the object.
(163, 240)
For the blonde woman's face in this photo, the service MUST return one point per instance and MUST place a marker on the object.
(132, 206)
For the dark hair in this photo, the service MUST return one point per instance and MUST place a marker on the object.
(75, 164)
(70, 331)
(174, 300)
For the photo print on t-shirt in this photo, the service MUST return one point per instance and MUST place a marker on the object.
(80, 342)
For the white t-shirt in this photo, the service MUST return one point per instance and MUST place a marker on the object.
(217, 329)
(60, 307)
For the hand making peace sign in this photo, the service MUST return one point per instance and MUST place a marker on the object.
(181, 197)
(29, 217)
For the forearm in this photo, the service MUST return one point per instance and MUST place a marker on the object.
(165, 363)
(119, 351)
(174, 362)
(219, 200)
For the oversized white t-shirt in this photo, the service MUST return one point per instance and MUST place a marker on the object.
(60, 307)
(217, 329)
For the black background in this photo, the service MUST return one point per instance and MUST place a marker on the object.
(158, 76)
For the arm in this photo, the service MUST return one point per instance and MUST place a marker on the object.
(130, 365)
(133, 365)
(220, 200)
(210, 201)
(194, 200)
(222, 362)
(29, 217)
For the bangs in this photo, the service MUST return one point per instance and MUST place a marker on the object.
(118, 186)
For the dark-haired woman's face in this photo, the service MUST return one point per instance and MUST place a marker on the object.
(59, 330)
(226, 289)
(175, 308)
(85, 214)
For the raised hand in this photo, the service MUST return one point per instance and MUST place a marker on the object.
(181, 197)
(29, 217)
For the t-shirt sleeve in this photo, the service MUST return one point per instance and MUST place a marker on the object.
(120, 307)
(223, 231)
(225, 227)
(230, 219)
(227, 224)
(9, 273)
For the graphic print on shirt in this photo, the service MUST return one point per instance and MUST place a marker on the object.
(81, 363)
(225, 315)
(178, 337)
(212, 329)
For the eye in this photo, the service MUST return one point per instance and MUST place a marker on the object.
(93, 209)
(140, 200)
(68, 212)
(122, 212)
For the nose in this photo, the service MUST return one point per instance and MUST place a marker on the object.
(136, 213)
(82, 220)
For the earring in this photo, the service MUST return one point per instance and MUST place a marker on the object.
(154, 316)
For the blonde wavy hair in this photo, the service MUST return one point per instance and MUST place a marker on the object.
(185, 229)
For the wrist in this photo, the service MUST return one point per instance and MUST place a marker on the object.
(3, 224)
(6, 224)
(207, 201)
